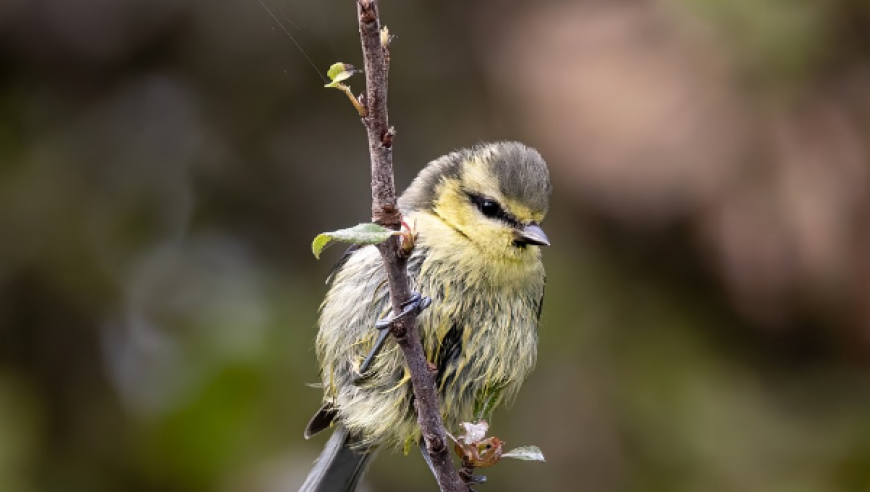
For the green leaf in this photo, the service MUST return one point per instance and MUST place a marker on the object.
(526, 453)
(359, 234)
(339, 72)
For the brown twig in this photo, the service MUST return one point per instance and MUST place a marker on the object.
(385, 211)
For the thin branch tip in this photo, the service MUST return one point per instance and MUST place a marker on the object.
(376, 53)
(368, 11)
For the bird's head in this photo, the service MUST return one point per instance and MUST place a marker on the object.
(494, 194)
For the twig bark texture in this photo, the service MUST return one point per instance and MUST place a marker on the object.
(385, 212)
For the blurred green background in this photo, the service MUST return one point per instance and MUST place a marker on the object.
(164, 165)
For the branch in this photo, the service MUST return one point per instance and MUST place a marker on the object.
(385, 211)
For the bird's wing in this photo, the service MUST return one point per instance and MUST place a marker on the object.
(321, 420)
(341, 261)
(448, 352)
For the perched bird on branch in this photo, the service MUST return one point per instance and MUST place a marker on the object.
(477, 257)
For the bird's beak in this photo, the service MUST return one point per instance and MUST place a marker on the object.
(531, 234)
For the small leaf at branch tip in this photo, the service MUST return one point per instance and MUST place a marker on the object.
(364, 234)
(526, 453)
(339, 72)
(386, 37)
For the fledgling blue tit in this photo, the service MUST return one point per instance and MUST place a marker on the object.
(478, 258)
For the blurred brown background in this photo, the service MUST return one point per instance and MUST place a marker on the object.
(165, 164)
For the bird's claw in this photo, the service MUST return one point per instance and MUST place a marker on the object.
(416, 304)
(472, 480)
(477, 479)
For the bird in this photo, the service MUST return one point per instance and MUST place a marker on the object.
(476, 213)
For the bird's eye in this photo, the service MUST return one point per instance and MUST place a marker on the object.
(489, 208)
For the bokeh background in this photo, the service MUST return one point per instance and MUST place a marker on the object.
(164, 165)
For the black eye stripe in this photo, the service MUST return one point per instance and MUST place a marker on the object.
(491, 208)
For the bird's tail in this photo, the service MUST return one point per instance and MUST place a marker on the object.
(339, 467)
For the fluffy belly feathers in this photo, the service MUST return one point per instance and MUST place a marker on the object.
(480, 332)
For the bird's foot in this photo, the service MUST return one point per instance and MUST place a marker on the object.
(475, 480)
(471, 480)
(416, 304)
